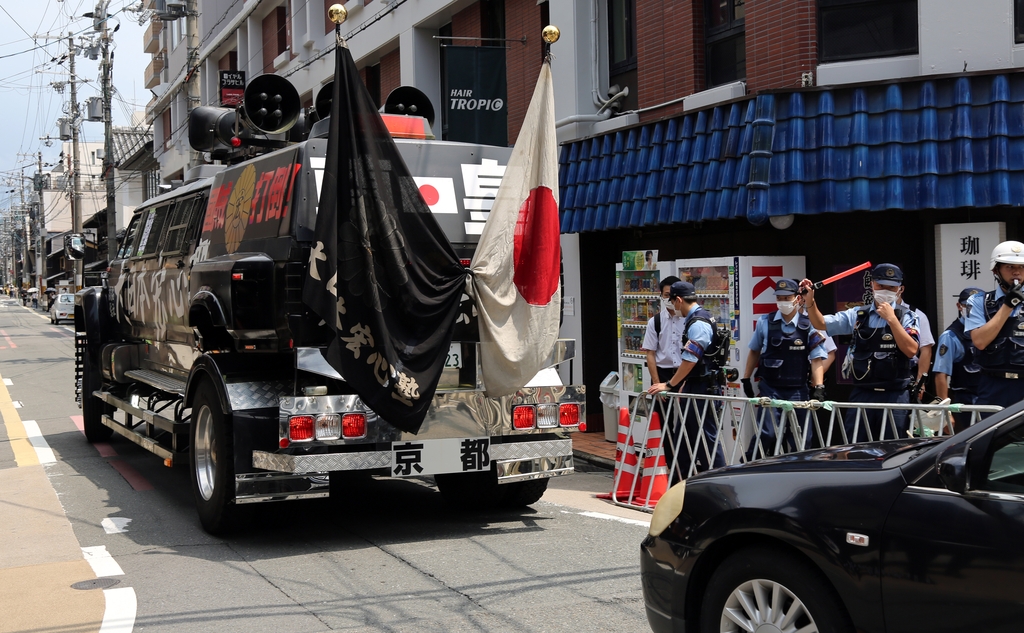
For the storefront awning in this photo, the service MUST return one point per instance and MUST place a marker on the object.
(944, 143)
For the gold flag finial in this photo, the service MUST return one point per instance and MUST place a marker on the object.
(337, 13)
(551, 34)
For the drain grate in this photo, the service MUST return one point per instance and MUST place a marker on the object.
(96, 583)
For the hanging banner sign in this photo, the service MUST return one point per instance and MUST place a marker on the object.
(962, 255)
(232, 86)
(476, 95)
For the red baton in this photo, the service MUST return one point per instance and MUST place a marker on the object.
(846, 273)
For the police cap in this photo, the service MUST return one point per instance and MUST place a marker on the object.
(967, 293)
(786, 287)
(887, 275)
(682, 289)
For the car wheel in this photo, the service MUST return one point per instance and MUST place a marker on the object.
(760, 589)
(523, 493)
(93, 408)
(212, 462)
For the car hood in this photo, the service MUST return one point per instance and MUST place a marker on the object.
(862, 456)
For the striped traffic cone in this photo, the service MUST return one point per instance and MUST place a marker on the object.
(654, 482)
(626, 461)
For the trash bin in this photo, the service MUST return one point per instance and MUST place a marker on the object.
(610, 403)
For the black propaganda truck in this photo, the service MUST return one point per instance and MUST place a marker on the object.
(199, 348)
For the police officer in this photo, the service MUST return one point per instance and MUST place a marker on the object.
(957, 359)
(787, 353)
(995, 323)
(885, 338)
(694, 376)
(663, 337)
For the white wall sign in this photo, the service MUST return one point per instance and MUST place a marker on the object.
(962, 252)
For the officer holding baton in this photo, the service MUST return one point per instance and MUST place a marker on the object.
(885, 338)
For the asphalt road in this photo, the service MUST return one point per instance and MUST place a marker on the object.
(389, 556)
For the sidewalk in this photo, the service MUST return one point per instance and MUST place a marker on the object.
(593, 448)
(40, 557)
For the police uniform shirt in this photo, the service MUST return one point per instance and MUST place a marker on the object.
(700, 334)
(828, 345)
(759, 342)
(950, 351)
(668, 347)
(844, 323)
(924, 327)
(976, 309)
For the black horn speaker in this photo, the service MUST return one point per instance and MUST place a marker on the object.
(271, 104)
(409, 100)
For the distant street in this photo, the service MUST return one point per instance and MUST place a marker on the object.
(390, 556)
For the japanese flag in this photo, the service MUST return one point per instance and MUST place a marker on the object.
(438, 193)
(516, 265)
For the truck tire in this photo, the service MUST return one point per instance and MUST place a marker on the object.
(523, 493)
(471, 491)
(92, 407)
(212, 462)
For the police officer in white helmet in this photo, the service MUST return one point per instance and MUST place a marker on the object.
(995, 322)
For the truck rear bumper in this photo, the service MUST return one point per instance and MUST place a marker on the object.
(518, 461)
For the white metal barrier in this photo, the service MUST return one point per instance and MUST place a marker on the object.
(698, 432)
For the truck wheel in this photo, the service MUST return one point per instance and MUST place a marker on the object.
(523, 493)
(471, 491)
(212, 461)
(92, 407)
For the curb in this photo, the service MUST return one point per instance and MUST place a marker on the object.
(596, 460)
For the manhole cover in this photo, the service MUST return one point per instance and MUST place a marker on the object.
(97, 583)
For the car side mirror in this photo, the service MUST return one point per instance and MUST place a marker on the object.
(952, 470)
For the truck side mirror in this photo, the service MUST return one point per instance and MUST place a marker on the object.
(74, 246)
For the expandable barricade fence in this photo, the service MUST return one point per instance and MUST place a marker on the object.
(691, 433)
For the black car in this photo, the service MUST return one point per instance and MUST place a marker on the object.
(899, 536)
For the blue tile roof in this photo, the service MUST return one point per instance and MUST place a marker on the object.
(944, 143)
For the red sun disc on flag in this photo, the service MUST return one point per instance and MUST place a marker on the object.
(430, 195)
(537, 249)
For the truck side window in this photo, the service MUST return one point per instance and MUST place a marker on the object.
(128, 242)
(177, 223)
(152, 231)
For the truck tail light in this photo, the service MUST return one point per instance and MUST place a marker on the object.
(300, 428)
(237, 277)
(547, 415)
(524, 417)
(328, 426)
(353, 426)
(569, 414)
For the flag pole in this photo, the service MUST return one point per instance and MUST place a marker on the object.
(550, 35)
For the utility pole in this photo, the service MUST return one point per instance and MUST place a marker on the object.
(192, 53)
(76, 266)
(37, 187)
(100, 20)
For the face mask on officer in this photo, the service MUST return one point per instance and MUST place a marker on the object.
(786, 307)
(885, 296)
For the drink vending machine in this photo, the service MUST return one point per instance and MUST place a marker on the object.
(736, 290)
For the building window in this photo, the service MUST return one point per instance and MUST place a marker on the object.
(492, 21)
(165, 119)
(622, 70)
(725, 40)
(862, 29)
(1018, 21)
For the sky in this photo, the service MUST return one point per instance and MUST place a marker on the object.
(31, 105)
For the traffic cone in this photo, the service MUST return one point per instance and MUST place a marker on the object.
(654, 482)
(626, 460)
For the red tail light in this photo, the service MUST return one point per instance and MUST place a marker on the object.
(353, 425)
(524, 417)
(569, 414)
(300, 428)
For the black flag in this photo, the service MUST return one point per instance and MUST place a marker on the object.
(382, 274)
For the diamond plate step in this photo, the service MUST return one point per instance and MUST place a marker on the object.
(157, 380)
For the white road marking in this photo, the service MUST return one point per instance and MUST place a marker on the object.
(102, 563)
(115, 525)
(609, 517)
(16, 403)
(38, 442)
(8, 382)
(119, 615)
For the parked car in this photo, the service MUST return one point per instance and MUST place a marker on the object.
(899, 536)
(63, 308)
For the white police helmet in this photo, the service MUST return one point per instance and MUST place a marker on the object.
(1009, 252)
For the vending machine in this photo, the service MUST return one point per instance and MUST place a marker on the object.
(737, 291)
(637, 299)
